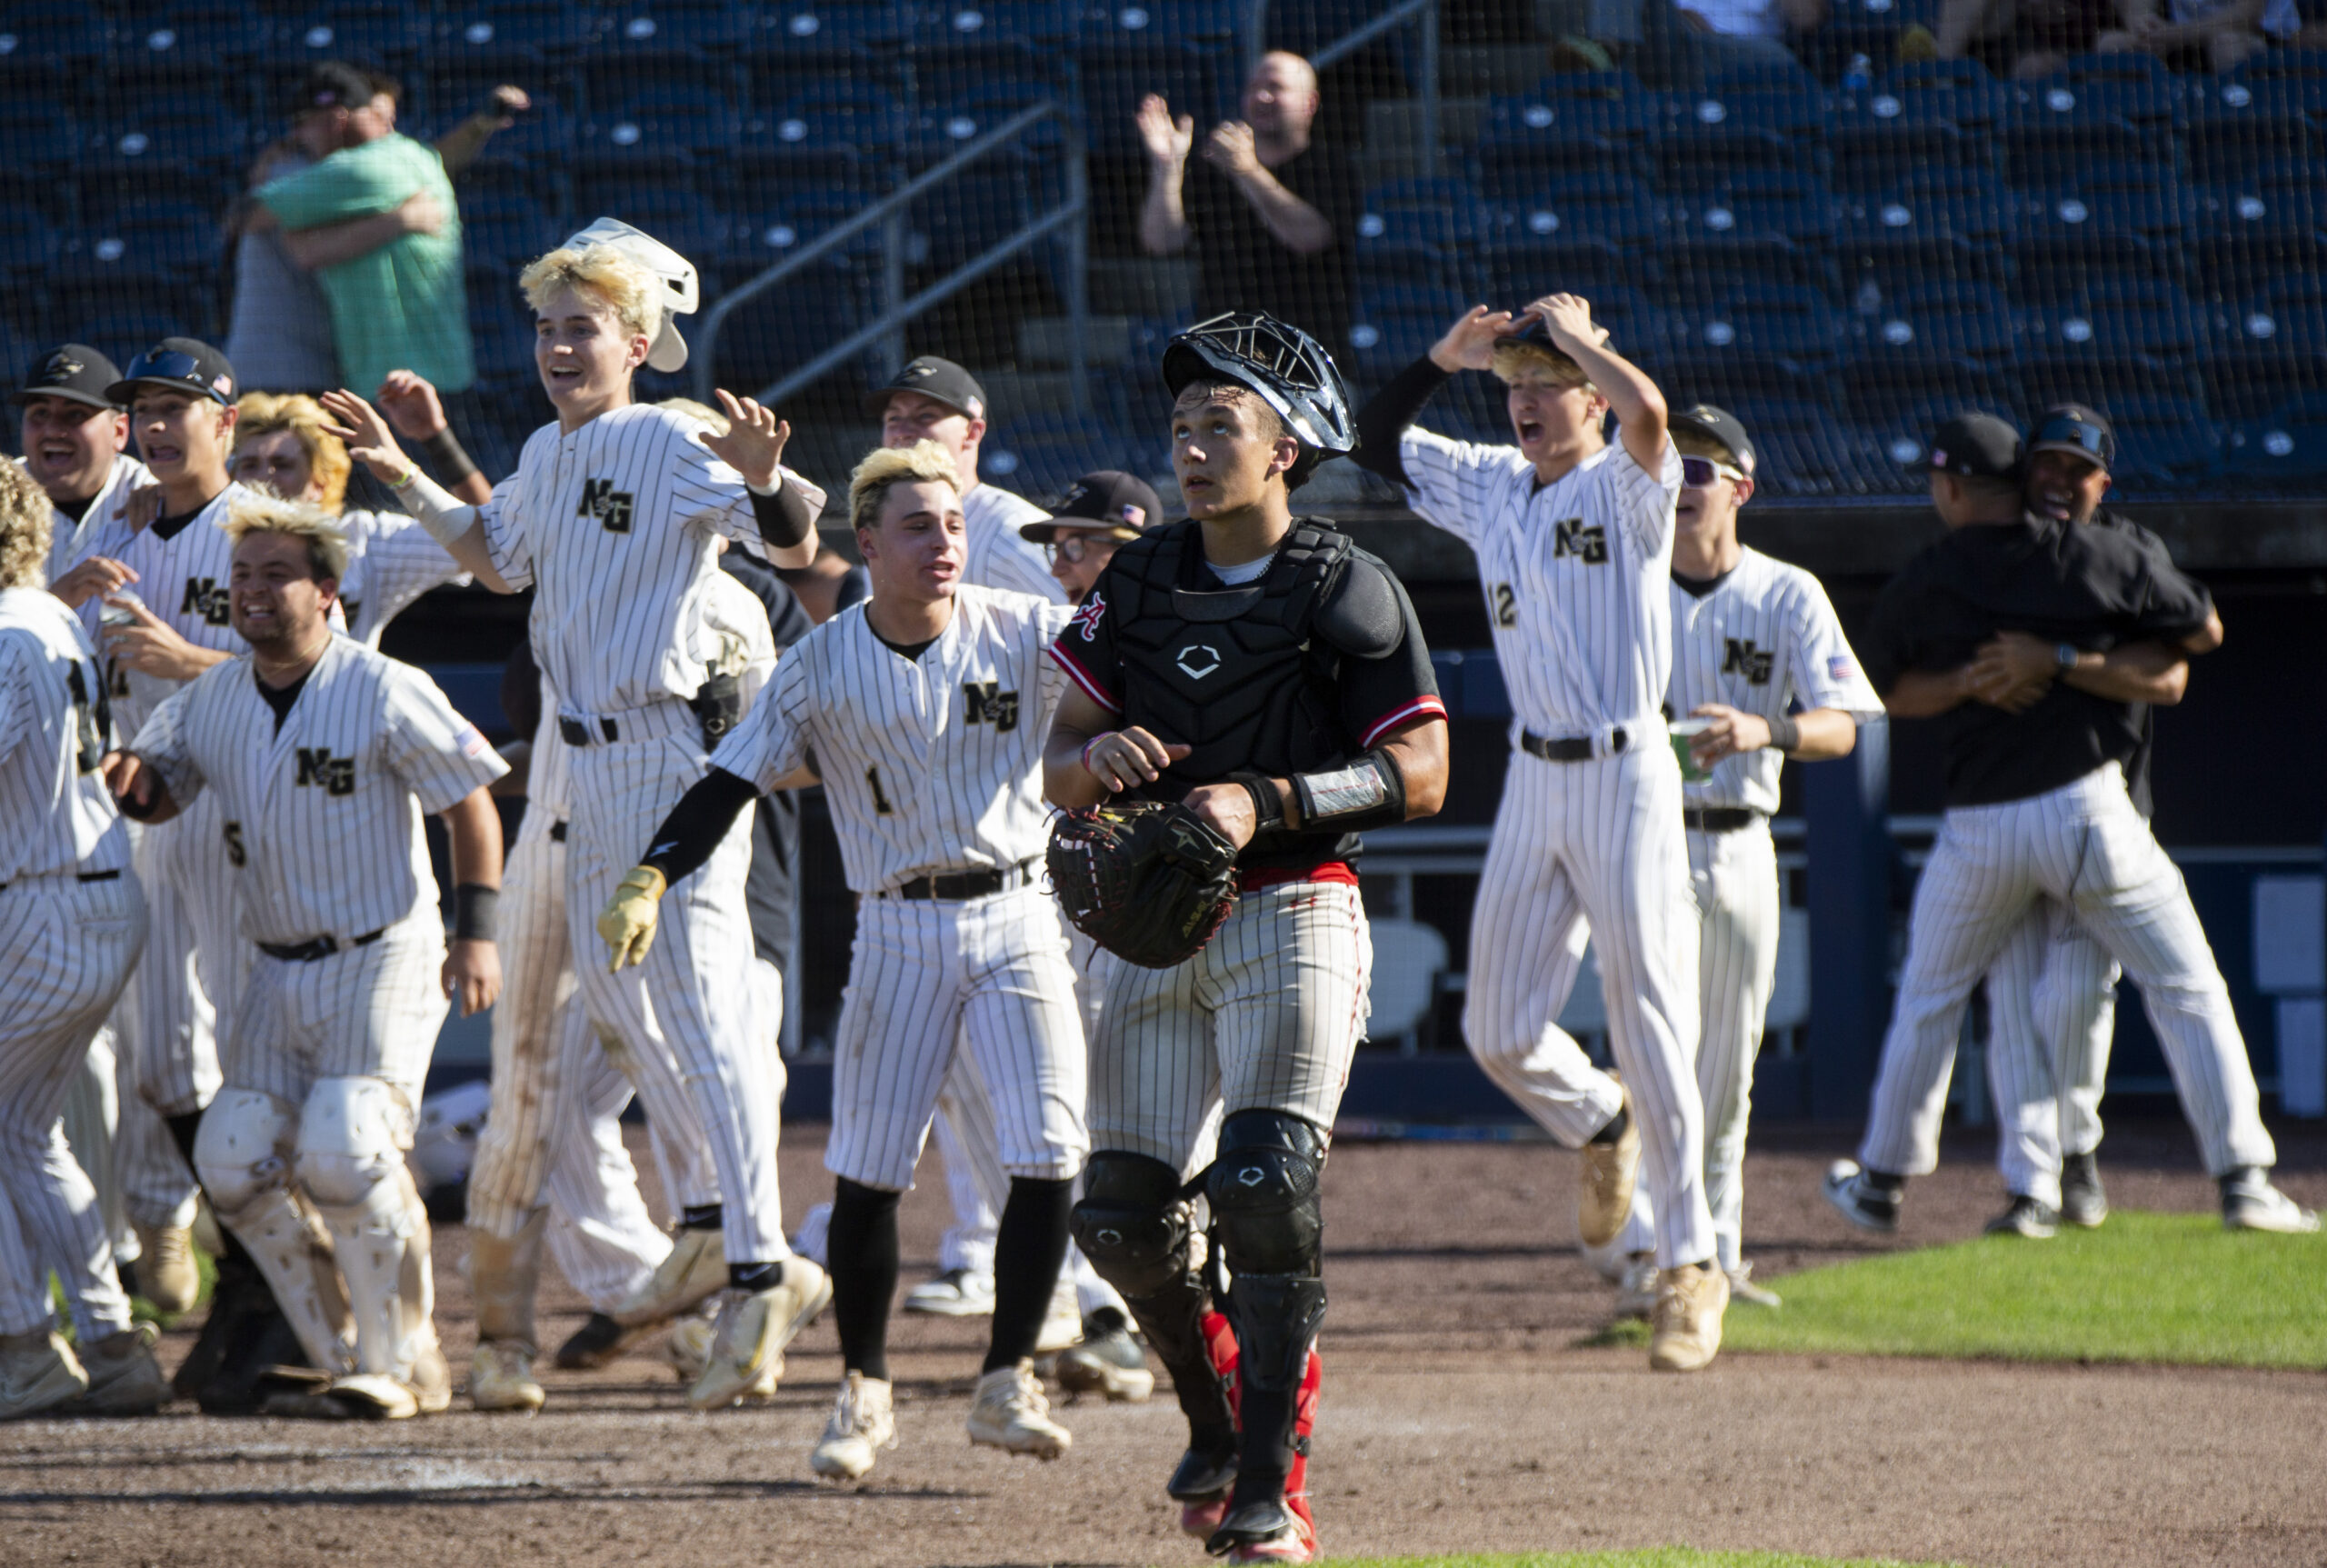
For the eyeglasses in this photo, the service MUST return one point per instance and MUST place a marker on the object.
(1698, 473)
(1075, 548)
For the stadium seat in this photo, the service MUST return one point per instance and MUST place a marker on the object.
(1766, 118)
(1426, 231)
(661, 130)
(45, 146)
(774, 332)
(193, 39)
(1868, 27)
(179, 149)
(807, 33)
(372, 33)
(1040, 455)
(2164, 443)
(1776, 224)
(2111, 341)
(954, 110)
(2274, 346)
(658, 35)
(1916, 118)
(1823, 457)
(1954, 332)
(1139, 29)
(160, 242)
(2066, 123)
(978, 208)
(50, 45)
(539, 149)
(122, 332)
(1900, 421)
(679, 217)
(1590, 228)
(1937, 223)
(2279, 455)
(1601, 120)
(515, 34)
(1015, 34)
(2110, 217)
(762, 232)
(1764, 338)
(821, 136)
(30, 245)
(1391, 328)
(2270, 215)
(2237, 123)
(503, 231)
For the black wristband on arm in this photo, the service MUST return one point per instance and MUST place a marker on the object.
(446, 456)
(782, 515)
(1785, 736)
(473, 905)
(696, 824)
(1268, 806)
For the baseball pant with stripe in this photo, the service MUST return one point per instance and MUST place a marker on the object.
(2051, 1018)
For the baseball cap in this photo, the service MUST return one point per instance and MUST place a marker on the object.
(931, 376)
(184, 362)
(1719, 425)
(682, 291)
(71, 369)
(332, 85)
(1118, 502)
(2074, 428)
(1976, 446)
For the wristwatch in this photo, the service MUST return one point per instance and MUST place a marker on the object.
(2066, 656)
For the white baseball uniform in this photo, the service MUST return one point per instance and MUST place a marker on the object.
(321, 804)
(391, 562)
(932, 767)
(66, 531)
(72, 919)
(998, 555)
(1577, 580)
(2052, 1016)
(612, 524)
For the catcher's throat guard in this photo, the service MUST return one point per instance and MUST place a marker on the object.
(1150, 883)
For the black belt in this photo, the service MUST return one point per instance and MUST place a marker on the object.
(557, 831)
(1718, 818)
(321, 947)
(574, 732)
(1575, 749)
(114, 875)
(959, 885)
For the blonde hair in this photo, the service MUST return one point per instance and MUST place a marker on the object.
(301, 520)
(1515, 357)
(24, 520)
(262, 413)
(627, 289)
(703, 414)
(886, 466)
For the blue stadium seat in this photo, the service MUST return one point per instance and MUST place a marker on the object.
(1642, 330)
(1869, 28)
(680, 218)
(1604, 120)
(1777, 224)
(955, 110)
(1015, 33)
(501, 233)
(539, 146)
(778, 330)
(1391, 327)
(1138, 28)
(2272, 346)
(2278, 453)
(515, 34)
(1948, 332)
(502, 340)
(43, 140)
(2105, 342)
(1827, 457)
(2065, 124)
(55, 43)
(183, 149)
(194, 38)
(968, 215)
(2109, 218)
(662, 129)
(2272, 210)
(1764, 337)
(371, 32)
(1938, 222)
(807, 33)
(658, 34)
(1901, 420)
(122, 331)
(30, 245)
(1426, 231)
(2163, 442)
(821, 136)
(1587, 228)
(162, 242)
(1767, 117)
(1917, 117)
(2235, 123)
(762, 233)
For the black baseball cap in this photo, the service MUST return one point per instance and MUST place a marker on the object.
(2074, 428)
(1118, 502)
(1720, 425)
(71, 369)
(1976, 446)
(931, 376)
(184, 362)
(333, 85)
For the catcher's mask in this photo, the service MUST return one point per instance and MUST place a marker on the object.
(1282, 364)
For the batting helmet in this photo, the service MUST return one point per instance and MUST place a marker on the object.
(681, 290)
(1282, 365)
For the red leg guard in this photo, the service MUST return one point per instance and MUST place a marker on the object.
(1220, 1339)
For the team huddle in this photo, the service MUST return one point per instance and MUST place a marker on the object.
(214, 867)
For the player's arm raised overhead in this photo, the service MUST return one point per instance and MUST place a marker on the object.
(1638, 406)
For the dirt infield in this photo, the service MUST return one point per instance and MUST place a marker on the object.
(1459, 1415)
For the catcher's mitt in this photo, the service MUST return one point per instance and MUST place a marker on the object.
(1148, 883)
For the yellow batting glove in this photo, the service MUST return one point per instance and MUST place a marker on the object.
(627, 921)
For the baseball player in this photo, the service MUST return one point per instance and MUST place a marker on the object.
(1272, 678)
(1574, 541)
(72, 919)
(611, 517)
(922, 712)
(2030, 815)
(1759, 662)
(322, 756)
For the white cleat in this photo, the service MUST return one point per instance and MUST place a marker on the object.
(501, 1377)
(956, 1292)
(1011, 1412)
(863, 1422)
(694, 1272)
(747, 1352)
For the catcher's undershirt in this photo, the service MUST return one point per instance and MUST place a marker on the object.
(698, 824)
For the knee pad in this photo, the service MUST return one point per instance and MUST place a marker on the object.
(239, 1149)
(1263, 1193)
(352, 1132)
(1132, 1222)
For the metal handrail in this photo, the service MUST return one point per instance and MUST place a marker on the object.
(893, 205)
(1423, 14)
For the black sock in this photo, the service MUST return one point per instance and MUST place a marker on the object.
(1029, 1251)
(702, 1217)
(1615, 1127)
(860, 1253)
(1884, 1181)
(756, 1278)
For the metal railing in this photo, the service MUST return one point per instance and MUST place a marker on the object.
(1070, 217)
(1422, 14)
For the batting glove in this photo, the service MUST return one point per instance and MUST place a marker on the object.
(627, 921)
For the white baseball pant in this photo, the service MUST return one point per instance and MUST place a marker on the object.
(1602, 842)
(92, 1112)
(196, 958)
(72, 946)
(2051, 1018)
(2084, 846)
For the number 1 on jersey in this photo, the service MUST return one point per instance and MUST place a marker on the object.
(880, 802)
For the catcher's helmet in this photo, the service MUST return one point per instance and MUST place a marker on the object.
(1285, 367)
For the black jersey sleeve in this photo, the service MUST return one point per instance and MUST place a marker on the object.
(1381, 693)
(1087, 649)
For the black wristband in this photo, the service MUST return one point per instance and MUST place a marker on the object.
(782, 515)
(445, 455)
(1785, 736)
(472, 908)
(1268, 806)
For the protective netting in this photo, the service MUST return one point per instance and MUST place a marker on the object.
(1799, 209)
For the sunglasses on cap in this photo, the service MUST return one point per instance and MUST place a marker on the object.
(2068, 430)
(173, 366)
(1698, 473)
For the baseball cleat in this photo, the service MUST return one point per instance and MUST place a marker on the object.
(1009, 1412)
(2249, 1203)
(863, 1422)
(501, 1377)
(1686, 1330)
(2082, 1203)
(1267, 1532)
(1200, 1484)
(956, 1292)
(368, 1396)
(1604, 1200)
(696, 1270)
(38, 1370)
(1636, 1291)
(124, 1377)
(599, 1341)
(166, 1275)
(1109, 1361)
(432, 1379)
(1742, 1288)
(1859, 1199)
(687, 1347)
(2025, 1216)
(747, 1350)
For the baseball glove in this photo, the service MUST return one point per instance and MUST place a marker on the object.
(1148, 883)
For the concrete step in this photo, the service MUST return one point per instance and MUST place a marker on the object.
(1163, 286)
(1047, 342)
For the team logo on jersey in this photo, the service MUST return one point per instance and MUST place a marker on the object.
(1087, 618)
(336, 775)
(206, 598)
(1740, 657)
(985, 701)
(1198, 660)
(1588, 545)
(610, 506)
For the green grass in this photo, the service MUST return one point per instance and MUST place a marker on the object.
(2168, 1288)
(140, 1309)
(1654, 1557)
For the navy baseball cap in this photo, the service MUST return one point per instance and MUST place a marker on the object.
(1976, 446)
(2074, 428)
(931, 376)
(1720, 427)
(184, 364)
(1120, 504)
(74, 371)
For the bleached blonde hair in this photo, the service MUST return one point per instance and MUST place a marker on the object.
(703, 414)
(301, 520)
(629, 290)
(25, 518)
(886, 466)
(1515, 357)
(266, 413)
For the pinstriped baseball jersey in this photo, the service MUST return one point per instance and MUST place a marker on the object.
(931, 764)
(1765, 637)
(55, 814)
(549, 775)
(391, 562)
(999, 556)
(66, 531)
(613, 526)
(1575, 573)
(322, 810)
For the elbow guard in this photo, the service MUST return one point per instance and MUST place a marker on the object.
(1371, 791)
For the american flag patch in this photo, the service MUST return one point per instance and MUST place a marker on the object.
(472, 743)
(1840, 668)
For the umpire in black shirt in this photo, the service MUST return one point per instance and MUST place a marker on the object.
(2037, 808)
